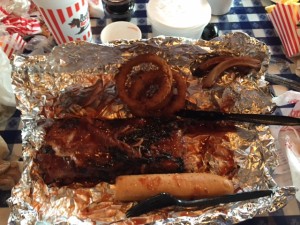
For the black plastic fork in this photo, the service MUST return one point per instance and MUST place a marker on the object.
(164, 200)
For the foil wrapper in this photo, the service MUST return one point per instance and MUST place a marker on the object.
(16, 7)
(76, 79)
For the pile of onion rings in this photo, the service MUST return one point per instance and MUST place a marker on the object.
(155, 92)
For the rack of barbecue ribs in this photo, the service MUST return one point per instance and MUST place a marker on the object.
(92, 150)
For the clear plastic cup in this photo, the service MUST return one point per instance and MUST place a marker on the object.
(294, 163)
(293, 155)
(289, 140)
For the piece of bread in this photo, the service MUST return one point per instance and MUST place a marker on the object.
(180, 185)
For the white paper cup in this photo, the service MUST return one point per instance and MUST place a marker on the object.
(178, 18)
(193, 33)
(220, 7)
(67, 20)
(120, 30)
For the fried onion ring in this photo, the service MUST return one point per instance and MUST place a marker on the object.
(144, 82)
(124, 74)
(244, 61)
(159, 92)
(174, 103)
(208, 64)
(178, 100)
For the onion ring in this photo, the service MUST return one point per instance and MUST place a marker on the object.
(126, 69)
(143, 83)
(178, 100)
(245, 61)
(135, 88)
(208, 64)
(173, 103)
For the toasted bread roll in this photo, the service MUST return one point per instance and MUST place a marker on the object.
(183, 185)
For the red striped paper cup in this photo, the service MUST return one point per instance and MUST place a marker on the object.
(67, 20)
(11, 44)
(285, 18)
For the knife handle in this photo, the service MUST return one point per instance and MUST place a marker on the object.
(250, 118)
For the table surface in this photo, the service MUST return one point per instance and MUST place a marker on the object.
(248, 16)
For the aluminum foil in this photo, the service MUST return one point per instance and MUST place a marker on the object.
(76, 79)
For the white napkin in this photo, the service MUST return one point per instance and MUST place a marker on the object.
(7, 96)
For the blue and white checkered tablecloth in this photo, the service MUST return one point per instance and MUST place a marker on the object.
(248, 16)
(10, 131)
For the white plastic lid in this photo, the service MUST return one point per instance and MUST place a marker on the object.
(179, 13)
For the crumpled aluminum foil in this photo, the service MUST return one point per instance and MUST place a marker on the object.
(59, 84)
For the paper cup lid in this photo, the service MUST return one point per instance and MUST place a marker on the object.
(179, 13)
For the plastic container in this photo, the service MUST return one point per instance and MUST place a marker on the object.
(178, 18)
(220, 7)
(294, 163)
(120, 30)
